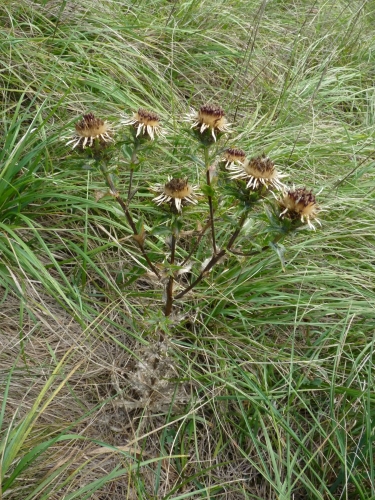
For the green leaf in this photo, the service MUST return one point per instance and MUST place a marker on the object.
(208, 190)
(280, 252)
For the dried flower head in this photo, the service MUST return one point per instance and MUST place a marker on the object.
(208, 117)
(233, 155)
(257, 172)
(146, 123)
(90, 129)
(176, 192)
(299, 204)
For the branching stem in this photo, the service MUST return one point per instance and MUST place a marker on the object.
(214, 260)
(195, 246)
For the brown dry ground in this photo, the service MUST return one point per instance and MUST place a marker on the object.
(120, 397)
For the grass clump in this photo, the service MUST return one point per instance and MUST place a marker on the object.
(242, 374)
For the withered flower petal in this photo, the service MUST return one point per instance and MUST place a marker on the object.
(176, 192)
(299, 204)
(257, 172)
(89, 129)
(233, 155)
(208, 117)
(146, 123)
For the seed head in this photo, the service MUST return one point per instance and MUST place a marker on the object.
(146, 123)
(89, 129)
(209, 117)
(233, 155)
(257, 172)
(299, 204)
(177, 192)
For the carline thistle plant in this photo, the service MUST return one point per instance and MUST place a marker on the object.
(209, 118)
(177, 193)
(145, 123)
(257, 172)
(299, 204)
(91, 131)
(247, 184)
(233, 156)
